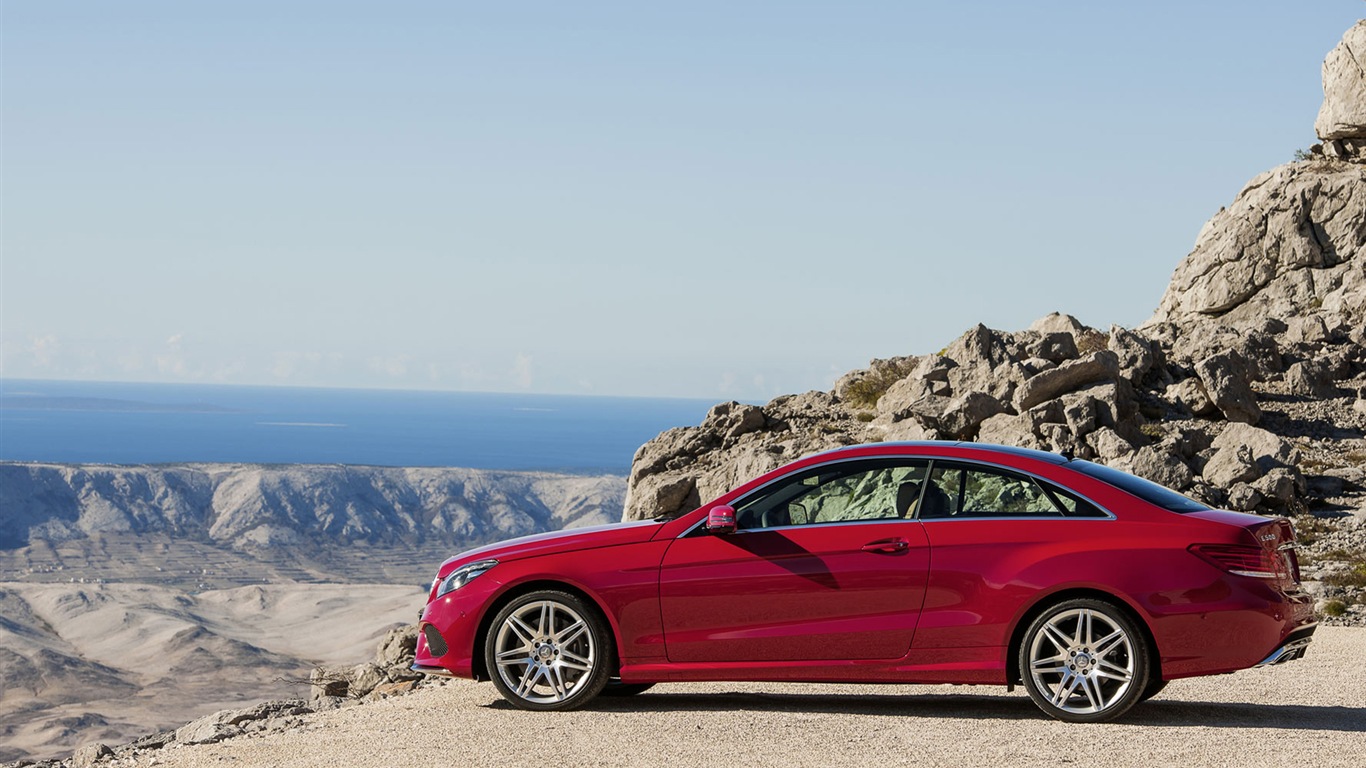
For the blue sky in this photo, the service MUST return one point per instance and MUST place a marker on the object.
(728, 200)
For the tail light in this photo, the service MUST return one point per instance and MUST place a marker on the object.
(1241, 560)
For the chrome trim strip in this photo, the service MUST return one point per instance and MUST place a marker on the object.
(435, 671)
(930, 468)
(1288, 652)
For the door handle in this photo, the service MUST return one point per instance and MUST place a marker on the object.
(887, 546)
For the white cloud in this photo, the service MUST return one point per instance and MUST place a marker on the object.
(172, 360)
(521, 371)
(395, 366)
(44, 350)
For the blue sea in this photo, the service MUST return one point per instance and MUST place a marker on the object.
(125, 423)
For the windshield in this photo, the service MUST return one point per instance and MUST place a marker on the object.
(1147, 490)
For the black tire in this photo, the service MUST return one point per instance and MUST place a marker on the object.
(1084, 661)
(617, 688)
(1153, 688)
(556, 651)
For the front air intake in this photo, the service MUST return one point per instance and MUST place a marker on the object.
(436, 644)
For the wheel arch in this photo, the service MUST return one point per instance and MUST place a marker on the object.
(478, 666)
(1045, 602)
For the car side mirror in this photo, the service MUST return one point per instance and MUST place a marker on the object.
(721, 520)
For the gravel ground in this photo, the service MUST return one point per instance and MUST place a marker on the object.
(1308, 712)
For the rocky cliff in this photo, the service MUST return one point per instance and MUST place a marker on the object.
(255, 506)
(1247, 388)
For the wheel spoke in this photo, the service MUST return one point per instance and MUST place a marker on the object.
(1113, 671)
(556, 679)
(1110, 642)
(1056, 637)
(543, 626)
(513, 655)
(1083, 633)
(528, 680)
(520, 628)
(1094, 696)
(572, 664)
(1065, 691)
(571, 633)
(567, 654)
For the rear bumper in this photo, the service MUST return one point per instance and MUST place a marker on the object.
(1293, 648)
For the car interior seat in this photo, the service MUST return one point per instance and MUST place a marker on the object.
(936, 503)
(776, 517)
(907, 494)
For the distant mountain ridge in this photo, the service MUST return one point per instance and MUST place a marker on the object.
(251, 506)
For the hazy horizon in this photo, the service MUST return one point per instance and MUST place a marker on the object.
(715, 201)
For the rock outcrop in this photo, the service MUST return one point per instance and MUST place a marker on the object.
(1252, 367)
(1283, 260)
(1343, 115)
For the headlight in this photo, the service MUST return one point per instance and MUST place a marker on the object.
(463, 575)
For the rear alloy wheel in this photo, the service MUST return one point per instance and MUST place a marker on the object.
(1084, 661)
(548, 651)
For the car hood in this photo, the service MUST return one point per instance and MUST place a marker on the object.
(554, 542)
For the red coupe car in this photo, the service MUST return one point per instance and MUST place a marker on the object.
(932, 562)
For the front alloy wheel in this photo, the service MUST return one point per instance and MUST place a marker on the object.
(1084, 661)
(548, 651)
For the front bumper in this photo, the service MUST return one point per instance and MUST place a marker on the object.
(434, 671)
(448, 628)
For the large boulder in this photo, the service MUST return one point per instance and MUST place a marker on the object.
(1227, 381)
(1072, 375)
(1266, 449)
(1343, 114)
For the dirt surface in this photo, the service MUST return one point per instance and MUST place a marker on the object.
(1308, 712)
(111, 662)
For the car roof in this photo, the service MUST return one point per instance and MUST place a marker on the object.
(930, 445)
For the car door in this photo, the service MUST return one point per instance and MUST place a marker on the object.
(824, 564)
(998, 538)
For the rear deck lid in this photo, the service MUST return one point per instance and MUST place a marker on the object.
(1266, 550)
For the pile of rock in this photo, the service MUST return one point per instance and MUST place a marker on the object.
(1246, 389)
(389, 674)
(1133, 399)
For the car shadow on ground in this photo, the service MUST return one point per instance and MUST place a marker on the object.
(1171, 713)
(1224, 714)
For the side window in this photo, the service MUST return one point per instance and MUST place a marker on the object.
(879, 490)
(1073, 506)
(993, 494)
(943, 494)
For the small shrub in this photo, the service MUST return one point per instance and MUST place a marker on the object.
(1153, 431)
(1303, 154)
(1334, 608)
(1309, 528)
(865, 392)
(865, 416)
(1313, 464)
(1356, 577)
(1089, 341)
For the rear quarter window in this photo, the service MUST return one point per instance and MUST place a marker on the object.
(1146, 490)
